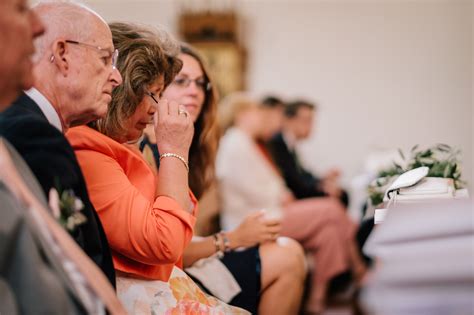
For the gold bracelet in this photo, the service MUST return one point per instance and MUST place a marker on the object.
(179, 157)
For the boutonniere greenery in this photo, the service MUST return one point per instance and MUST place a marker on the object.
(441, 159)
(67, 209)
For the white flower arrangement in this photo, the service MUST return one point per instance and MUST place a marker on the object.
(67, 209)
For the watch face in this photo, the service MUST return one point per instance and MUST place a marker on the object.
(225, 63)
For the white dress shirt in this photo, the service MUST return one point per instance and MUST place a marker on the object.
(289, 140)
(46, 107)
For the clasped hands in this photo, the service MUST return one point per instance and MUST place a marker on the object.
(258, 227)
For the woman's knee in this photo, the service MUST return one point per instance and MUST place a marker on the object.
(336, 210)
(292, 248)
(285, 256)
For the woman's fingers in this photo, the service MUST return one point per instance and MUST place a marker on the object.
(162, 108)
(183, 113)
(271, 236)
(170, 108)
(270, 233)
(173, 108)
(255, 215)
(174, 131)
(274, 229)
(272, 222)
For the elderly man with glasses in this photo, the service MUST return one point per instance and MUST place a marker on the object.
(75, 75)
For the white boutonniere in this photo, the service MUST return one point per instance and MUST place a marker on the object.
(67, 209)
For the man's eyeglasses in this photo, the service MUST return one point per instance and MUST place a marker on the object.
(201, 83)
(111, 57)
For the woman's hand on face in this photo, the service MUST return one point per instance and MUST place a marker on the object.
(256, 228)
(174, 128)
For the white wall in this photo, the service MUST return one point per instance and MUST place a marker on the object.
(387, 74)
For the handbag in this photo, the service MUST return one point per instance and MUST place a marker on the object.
(215, 277)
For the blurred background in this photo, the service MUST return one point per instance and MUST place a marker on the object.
(386, 74)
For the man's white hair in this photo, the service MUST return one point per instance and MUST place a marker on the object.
(63, 19)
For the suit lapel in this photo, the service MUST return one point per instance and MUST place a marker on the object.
(291, 153)
(27, 104)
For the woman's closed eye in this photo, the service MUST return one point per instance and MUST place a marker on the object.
(157, 94)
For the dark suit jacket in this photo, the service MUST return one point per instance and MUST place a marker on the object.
(32, 279)
(302, 183)
(52, 160)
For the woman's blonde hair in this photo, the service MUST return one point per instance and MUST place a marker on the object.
(145, 54)
(231, 106)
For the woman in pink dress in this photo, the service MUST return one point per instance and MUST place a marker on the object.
(250, 181)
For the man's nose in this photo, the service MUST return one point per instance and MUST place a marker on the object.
(37, 26)
(116, 77)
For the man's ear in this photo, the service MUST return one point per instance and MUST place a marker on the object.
(60, 56)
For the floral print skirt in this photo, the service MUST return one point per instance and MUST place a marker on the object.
(180, 295)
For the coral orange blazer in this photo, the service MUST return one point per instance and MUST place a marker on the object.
(147, 235)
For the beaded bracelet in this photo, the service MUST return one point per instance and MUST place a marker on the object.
(219, 252)
(226, 241)
(179, 157)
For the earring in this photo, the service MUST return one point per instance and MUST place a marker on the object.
(51, 59)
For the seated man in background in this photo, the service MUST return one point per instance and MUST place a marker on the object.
(75, 74)
(321, 225)
(297, 126)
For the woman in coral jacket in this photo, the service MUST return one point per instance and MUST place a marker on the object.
(148, 222)
(148, 219)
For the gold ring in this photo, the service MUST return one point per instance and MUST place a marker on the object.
(183, 112)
